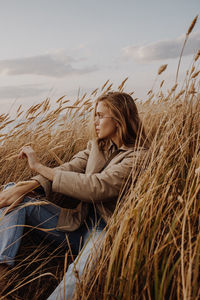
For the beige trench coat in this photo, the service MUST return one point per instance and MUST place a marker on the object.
(83, 178)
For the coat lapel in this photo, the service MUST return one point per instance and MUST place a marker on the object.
(96, 159)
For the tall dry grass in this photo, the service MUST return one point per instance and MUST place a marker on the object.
(152, 245)
(56, 134)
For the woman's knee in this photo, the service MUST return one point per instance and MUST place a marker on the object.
(9, 185)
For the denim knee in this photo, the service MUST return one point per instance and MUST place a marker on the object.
(8, 185)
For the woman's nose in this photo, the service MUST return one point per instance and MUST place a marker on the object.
(96, 120)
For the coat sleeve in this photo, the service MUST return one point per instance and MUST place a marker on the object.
(77, 164)
(98, 187)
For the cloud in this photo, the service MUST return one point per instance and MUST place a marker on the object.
(53, 64)
(164, 49)
(24, 91)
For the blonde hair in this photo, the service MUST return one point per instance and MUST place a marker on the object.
(124, 111)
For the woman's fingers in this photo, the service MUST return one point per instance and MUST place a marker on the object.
(4, 198)
(1, 200)
(29, 153)
(22, 155)
(25, 151)
(10, 197)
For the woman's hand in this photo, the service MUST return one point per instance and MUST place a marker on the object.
(34, 163)
(29, 153)
(11, 196)
(15, 194)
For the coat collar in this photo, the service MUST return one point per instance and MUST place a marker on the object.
(98, 158)
(112, 147)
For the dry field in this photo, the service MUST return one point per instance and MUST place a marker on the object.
(152, 245)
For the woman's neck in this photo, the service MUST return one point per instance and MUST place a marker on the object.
(117, 142)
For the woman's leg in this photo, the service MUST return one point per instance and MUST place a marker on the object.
(92, 244)
(12, 226)
(43, 217)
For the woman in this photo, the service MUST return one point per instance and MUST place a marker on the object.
(94, 177)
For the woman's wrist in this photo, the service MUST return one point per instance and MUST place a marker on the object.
(44, 171)
(37, 167)
(24, 187)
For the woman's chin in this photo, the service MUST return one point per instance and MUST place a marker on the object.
(98, 134)
(99, 137)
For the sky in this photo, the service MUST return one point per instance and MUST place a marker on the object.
(51, 48)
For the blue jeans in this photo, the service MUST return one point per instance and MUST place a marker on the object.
(89, 237)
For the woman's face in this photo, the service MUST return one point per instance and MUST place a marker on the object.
(105, 124)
